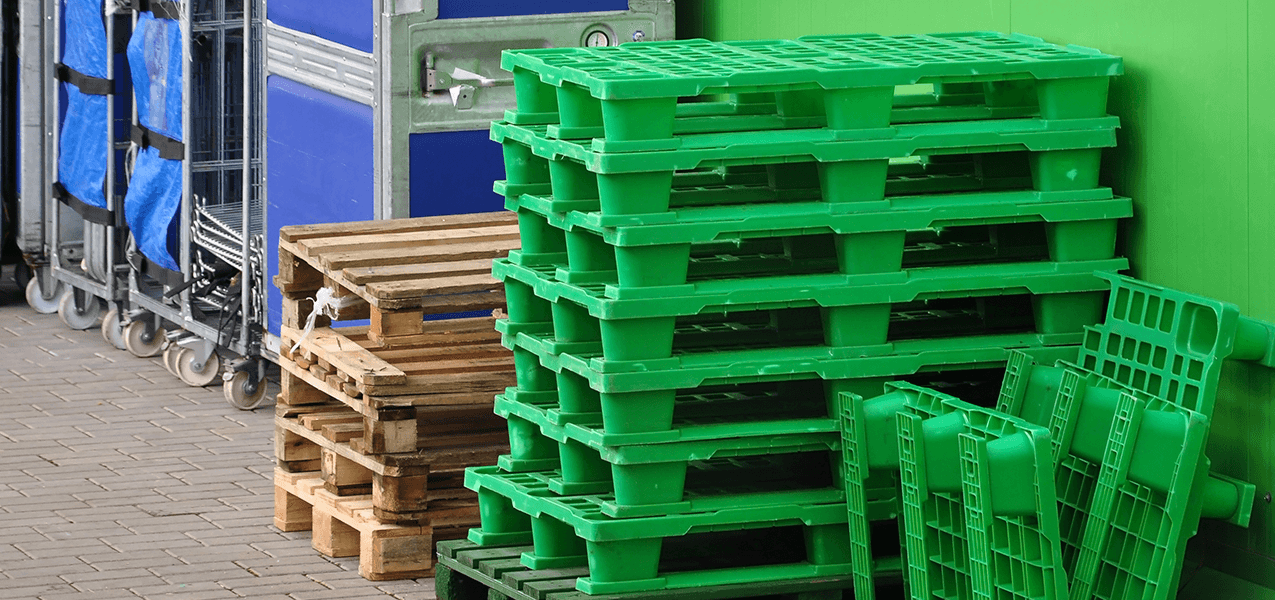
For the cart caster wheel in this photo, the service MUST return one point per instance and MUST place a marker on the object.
(79, 317)
(45, 304)
(169, 359)
(242, 392)
(140, 344)
(111, 329)
(184, 363)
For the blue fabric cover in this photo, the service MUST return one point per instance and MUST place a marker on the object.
(320, 168)
(155, 190)
(82, 141)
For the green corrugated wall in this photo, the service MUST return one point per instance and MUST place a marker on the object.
(1196, 152)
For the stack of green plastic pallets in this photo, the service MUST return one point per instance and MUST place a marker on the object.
(1125, 482)
(702, 278)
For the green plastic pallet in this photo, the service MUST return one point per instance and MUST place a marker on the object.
(1172, 344)
(868, 241)
(728, 219)
(853, 166)
(631, 324)
(649, 479)
(713, 294)
(623, 555)
(1123, 496)
(639, 396)
(631, 91)
(752, 112)
(467, 571)
(792, 183)
(979, 512)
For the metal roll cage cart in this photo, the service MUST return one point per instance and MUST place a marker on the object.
(217, 302)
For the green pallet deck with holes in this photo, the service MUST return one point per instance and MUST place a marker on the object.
(628, 95)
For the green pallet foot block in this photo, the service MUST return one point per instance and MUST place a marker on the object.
(1172, 344)
(636, 86)
(979, 505)
(1148, 467)
(852, 166)
(624, 554)
(529, 449)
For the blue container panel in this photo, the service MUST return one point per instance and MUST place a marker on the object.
(320, 152)
(452, 173)
(347, 22)
(465, 9)
(350, 22)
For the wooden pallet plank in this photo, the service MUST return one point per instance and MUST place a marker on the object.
(368, 275)
(415, 288)
(317, 247)
(346, 356)
(294, 233)
(498, 247)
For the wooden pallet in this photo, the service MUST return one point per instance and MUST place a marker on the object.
(424, 487)
(452, 368)
(345, 526)
(400, 270)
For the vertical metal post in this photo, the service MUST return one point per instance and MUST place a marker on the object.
(245, 281)
(108, 261)
(53, 51)
(189, 138)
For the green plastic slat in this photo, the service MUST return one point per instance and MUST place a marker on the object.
(624, 554)
(694, 67)
(1171, 344)
(819, 145)
(1131, 476)
(703, 224)
(978, 496)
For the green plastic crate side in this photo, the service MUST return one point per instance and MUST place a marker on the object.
(1170, 343)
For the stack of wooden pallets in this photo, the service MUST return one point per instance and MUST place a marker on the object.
(375, 424)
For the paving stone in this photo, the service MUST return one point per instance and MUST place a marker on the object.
(130, 484)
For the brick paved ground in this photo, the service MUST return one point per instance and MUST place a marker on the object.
(119, 481)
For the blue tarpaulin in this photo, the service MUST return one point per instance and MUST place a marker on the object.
(82, 145)
(155, 189)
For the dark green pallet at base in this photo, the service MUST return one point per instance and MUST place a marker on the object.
(467, 571)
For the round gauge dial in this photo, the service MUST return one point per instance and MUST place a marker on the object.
(596, 39)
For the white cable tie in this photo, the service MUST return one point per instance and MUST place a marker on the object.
(326, 303)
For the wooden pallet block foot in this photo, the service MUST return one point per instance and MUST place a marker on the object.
(290, 512)
(342, 527)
